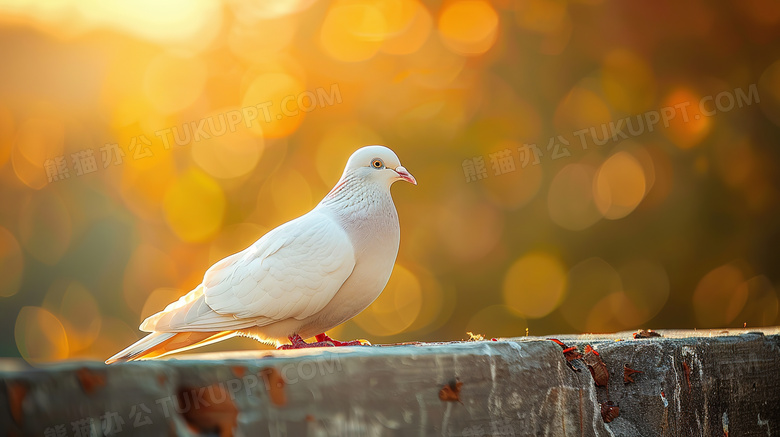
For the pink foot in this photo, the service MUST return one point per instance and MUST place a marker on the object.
(296, 342)
(324, 338)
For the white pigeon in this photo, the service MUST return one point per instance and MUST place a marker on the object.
(300, 279)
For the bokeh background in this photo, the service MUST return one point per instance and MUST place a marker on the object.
(107, 216)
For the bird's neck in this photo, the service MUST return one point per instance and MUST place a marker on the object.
(360, 204)
(358, 194)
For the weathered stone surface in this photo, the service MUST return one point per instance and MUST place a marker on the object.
(711, 382)
(519, 387)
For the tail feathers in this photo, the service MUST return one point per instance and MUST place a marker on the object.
(142, 346)
(158, 344)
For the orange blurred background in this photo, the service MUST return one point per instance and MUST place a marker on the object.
(140, 142)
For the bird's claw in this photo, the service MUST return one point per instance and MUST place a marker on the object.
(306, 345)
(296, 342)
(324, 337)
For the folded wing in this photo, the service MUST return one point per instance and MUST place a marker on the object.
(292, 272)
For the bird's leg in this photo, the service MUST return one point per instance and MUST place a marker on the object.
(296, 342)
(324, 337)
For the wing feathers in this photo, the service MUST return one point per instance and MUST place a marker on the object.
(302, 265)
(292, 272)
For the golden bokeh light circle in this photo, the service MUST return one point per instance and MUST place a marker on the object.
(271, 106)
(619, 186)
(397, 307)
(468, 27)
(172, 83)
(353, 31)
(534, 285)
(40, 336)
(77, 310)
(688, 130)
(570, 200)
(408, 26)
(228, 156)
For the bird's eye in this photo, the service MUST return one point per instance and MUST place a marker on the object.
(377, 163)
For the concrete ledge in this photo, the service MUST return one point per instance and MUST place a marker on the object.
(692, 383)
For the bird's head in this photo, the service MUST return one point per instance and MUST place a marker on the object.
(378, 164)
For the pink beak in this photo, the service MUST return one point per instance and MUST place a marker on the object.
(405, 175)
